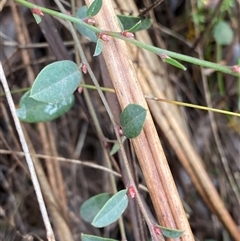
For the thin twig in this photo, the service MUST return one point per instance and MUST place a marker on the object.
(148, 9)
(49, 231)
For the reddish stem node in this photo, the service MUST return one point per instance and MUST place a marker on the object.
(157, 230)
(80, 89)
(236, 69)
(37, 12)
(127, 34)
(163, 56)
(103, 36)
(131, 191)
(89, 21)
(84, 68)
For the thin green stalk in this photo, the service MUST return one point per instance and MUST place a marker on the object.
(203, 63)
(219, 75)
(58, 14)
(158, 51)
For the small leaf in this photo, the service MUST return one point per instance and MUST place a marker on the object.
(92, 206)
(171, 233)
(37, 18)
(129, 21)
(33, 111)
(98, 48)
(112, 210)
(132, 119)
(94, 8)
(82, 14)
(174, 63)
(135, 27)
(56, 81)
(116, 146)
(86, 237)
(223, 33)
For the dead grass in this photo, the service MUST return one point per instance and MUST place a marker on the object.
(66, 184)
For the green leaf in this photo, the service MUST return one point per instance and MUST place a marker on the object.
(37, 18)
(32, 111)
(132, 119)
(129, 21)
(223, 33)
(174, 63)
(112, 210)
(171, 233)
(116, 146)
(56, 81)
(135, 27)
(98, 48)
(82, 14)
(86, 237)
(94, 8)
(92, 206)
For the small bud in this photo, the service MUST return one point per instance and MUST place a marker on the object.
(104, 37)
(89, 21)
(127, 34)
(131, 191)
(236, 69)
(37, 12)
(84, 68)
(80, 89)
(157, 230)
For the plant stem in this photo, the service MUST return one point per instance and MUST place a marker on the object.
(158, 51)
(192, 60)
(58, 14)
(219, 75)
(34, 178)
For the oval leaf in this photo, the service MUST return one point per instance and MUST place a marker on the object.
(56, 81)
(98, 48)
(174, 62)
(94, 8)
(82, 14)
(32, 111)
(86, 237)
(223, 33)
(171, 233)
(129, 21)
(112, 210)
(92, 206)
(132, 119)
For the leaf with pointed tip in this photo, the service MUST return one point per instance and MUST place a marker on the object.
(86, 237)
(92, 206)
(56, 81)
(33, 111)
(132, 119)
(94, 8)
(129, 21)
(98, 48)
(88, 33)
(116, 146)
(112, 210)
(174, 63)
(171, 233)
(37, 18)
(135, 27)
